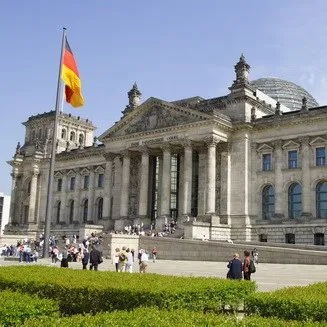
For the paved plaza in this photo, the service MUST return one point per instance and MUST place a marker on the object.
(268, 276)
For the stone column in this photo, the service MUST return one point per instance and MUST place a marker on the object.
(202, 182)
(211, 175)
(165, 183)
(144, 185)
(32, 202)
(90, 212)
(187, 178)
(305, 163)
(78, 217)
(278, 180)
(13, 218)
(107, 185)
(63, 199)
(124, 199)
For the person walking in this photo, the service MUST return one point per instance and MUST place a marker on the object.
(95, 258)
(255, 256)
(143, 261)
(154, 254)
(64, 258)
(116, 258)
(85, 258)
(129, 263)
(246, 266)
(235, 267)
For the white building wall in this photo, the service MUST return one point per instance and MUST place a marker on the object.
(4, 217)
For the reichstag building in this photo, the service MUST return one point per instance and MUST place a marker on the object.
(247, 166)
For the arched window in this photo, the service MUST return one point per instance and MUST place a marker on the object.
(81, 139)
(321, 200)
(295, 201)
(85, 210)
(71, 212)
(268, 202)
(58, 212)
(100, 208)
(63, 134)
(72, 136)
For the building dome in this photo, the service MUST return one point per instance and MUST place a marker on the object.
(287, 93)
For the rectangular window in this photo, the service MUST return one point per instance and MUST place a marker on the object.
(290, 238)
(320, 156)
(101, 180)
(72, 183)
(292, 159)
(266, 162)
(59, 185)
(86, 181)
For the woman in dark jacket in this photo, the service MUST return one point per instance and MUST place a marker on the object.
(95, 258)
(235, 267)
(85, 259)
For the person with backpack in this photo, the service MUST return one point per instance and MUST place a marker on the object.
(248, 266)
(122, 260)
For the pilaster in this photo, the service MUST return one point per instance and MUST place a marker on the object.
(32, 201)
(187, 177)
(144, 185)
(305, 152)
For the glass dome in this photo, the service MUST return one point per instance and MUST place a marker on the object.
(287, 93)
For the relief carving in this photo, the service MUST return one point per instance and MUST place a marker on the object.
(158, 117)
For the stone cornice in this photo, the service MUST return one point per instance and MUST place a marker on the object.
(85, 153)
(169, 129)
(291, 119)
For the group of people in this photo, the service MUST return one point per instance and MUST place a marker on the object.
(124, 259)
(239, 269)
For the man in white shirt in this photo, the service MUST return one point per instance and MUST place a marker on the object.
(143, 262)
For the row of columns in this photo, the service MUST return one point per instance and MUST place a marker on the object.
(165, 180)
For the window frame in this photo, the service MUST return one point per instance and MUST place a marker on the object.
(266, 166)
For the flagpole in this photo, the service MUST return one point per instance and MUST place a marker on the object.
(48, 210)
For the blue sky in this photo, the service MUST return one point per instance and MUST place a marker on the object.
(173, 49)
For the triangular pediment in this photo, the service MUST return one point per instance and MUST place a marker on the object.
(71, 173)
(58, 175)
(99, 170)
(154, 114)
(85, 171)
(265, 148)
(318, 140)
(291, 145)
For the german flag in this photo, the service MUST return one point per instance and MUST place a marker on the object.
(71, 78)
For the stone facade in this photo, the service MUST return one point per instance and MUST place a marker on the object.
(241, 167)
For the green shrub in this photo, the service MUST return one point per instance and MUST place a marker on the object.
(295, 303)
(16, 307)
(88, 291)
(152, 317)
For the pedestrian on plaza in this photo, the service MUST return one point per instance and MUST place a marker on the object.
(95, 258)
(235, 267)
(116, 258)
(143, 261)
(246, 266)
(129, 263)
(64, 258)
(85, 258)
(154, 254)
(122, 260)
(255, 256)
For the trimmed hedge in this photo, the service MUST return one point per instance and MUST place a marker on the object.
(79, 291)
(150, 317)
(15, 307)
(294, 303)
